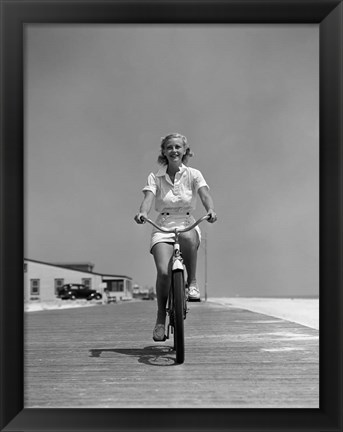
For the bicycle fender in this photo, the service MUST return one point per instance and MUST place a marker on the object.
(177, 265)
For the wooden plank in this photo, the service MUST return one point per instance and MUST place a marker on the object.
(104, 356)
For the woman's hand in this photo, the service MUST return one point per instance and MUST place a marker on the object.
(212, 217)
(140, 217)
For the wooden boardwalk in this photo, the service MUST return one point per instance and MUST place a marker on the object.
(104, 357)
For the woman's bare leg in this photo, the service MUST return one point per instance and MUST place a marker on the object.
(189, 243)
(162, 253)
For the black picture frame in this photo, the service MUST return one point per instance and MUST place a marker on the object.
(328, 14)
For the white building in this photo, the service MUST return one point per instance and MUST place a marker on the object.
(42, 279)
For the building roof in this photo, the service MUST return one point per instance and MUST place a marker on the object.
(80, 271)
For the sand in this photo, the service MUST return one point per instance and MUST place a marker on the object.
(301, 311)
(58, 304)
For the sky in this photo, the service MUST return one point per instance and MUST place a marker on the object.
(98, 99)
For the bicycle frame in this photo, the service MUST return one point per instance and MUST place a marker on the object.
(177, 263)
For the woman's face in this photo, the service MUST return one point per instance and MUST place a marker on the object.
(174, 150)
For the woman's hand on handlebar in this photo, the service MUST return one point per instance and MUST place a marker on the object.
(211, 216)
(140, 218)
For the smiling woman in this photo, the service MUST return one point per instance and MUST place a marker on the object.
(174, 188)
(180, 142)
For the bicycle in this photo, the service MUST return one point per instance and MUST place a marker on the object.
(177, 301)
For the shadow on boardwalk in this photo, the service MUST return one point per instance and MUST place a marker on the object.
(150, 355)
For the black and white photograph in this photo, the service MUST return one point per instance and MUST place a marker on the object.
(174, 124)
(171, 215)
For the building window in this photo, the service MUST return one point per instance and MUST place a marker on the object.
(87, 282)
(115, 286)
(35, 286)
(58, 284)
(25, 267)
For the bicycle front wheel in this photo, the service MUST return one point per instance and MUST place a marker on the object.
(178, 306)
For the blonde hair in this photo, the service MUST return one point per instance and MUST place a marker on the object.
(163, 160)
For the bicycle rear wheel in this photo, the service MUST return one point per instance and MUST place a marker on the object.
(178, 306)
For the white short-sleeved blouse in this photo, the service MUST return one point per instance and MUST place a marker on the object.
(174, 202)
(180, 195)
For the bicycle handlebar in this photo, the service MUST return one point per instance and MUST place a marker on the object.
(174, 230)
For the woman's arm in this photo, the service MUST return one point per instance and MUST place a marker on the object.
(207, 201)
(145, 207)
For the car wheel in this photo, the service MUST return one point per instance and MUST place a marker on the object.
(72, 297)
(98, 296)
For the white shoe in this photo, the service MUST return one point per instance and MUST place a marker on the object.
(159, 333)
(193, 293)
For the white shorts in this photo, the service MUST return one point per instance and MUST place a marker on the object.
(171, 221)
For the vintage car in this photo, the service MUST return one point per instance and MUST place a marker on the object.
(77, 291)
